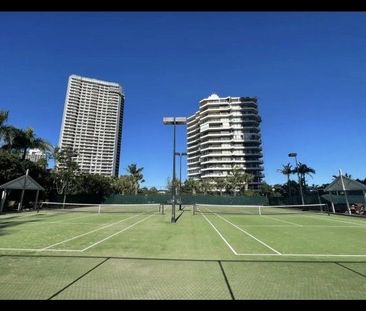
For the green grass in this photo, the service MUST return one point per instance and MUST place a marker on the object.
(205, 256)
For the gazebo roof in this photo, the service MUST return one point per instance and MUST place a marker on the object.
(18, 183)
(349, 184)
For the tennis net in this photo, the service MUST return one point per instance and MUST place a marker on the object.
(100, 208)
(258, 209)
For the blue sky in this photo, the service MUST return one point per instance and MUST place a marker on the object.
(308, 70)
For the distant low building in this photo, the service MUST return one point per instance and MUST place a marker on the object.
(35, 155)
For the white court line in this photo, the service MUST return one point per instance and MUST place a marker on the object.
(338, 220)
(38, 249)
(20, 249)
(285, 221)
(62, 221)
(239, 254)
(247, 233)
(72, 223)
(304, 255)
(227, 243)
(116, 233)
(60, 250)
(78, 217)
(80, 235)
(18, 215)
(303, 226)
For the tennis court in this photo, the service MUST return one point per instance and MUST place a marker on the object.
(135, 252)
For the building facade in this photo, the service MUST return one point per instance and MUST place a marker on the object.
(35, 154)
(222, 135)
(92, 124)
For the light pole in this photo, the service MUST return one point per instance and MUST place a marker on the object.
(180, 154)
(293, 155)
(174, 121)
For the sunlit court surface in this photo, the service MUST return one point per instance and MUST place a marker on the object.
(211, 253)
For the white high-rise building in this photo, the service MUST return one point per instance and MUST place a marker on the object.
(224, 134)
(92, 124)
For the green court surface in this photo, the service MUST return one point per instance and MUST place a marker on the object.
(129, 256)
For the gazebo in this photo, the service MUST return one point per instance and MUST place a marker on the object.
(343, 183)
(23, 183)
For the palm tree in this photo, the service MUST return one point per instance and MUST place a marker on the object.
(238, 180)
(22, 140)
(246, 178)
(3, 118)
(221, 183)
(345, 175)
(287, 171)
(303, 170)
(10, 136)
(27, 139)
(170, 183)
(192, 185)
(205, 185)
(136, 175)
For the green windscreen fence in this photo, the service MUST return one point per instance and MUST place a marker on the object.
(166, 199)
(186, 199)
(341, 199)
(190, 199)
(296, 199)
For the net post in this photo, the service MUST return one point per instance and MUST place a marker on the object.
(260, 210)
(194, 209)
(99, 208)
(162, 209)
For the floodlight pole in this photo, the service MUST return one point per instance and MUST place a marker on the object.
(180, 154)
(174, 121)
(173, 181)
(345, 192)
(23, 190)
(293, 155)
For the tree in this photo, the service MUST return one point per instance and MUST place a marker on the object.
(277, 190)
(265, 189)
(220, 184)
(22, 140)
(10, 136)
(345, 175)
(287, 171)
(66, 171)
(27, 139)
(246, 178)
(137, 177)
(153, 190)
(170, 184)
(238, 180)
(124, 185)
(303, 170)
(3, 118)
(93, 184)
(192, 185)
(205, 185)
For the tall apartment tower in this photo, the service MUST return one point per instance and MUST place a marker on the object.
(92, 124)
(224, 134)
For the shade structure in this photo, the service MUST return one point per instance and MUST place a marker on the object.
(23, 183)
(343, 183)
